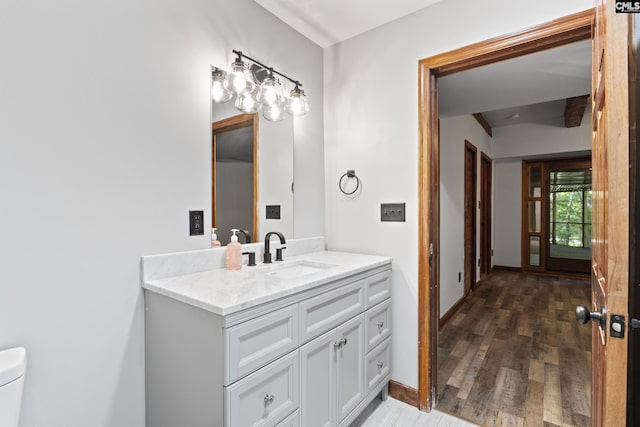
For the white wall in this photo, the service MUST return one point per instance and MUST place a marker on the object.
(104, 147)
(536, 139)
(453, 133)
(507, 197)
(371, 125)
(512, 144)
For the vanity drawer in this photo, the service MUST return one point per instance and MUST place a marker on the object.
(326, 311)
(265, 397)
(253, 344)
(378, 364)
(292, 420)
(378, 324)
(378, 288)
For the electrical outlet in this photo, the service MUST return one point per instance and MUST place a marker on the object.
(392, 212)
(273, 211)
(196, 223)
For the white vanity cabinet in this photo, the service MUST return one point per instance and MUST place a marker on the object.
(332, 378)
(312, 358)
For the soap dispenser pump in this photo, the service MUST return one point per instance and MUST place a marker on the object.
(214, 238)
(234, 252)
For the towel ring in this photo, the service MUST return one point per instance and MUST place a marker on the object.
(349, 174)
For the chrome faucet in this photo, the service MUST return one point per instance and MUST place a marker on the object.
(267, 254)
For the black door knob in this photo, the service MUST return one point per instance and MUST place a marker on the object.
(583, 315)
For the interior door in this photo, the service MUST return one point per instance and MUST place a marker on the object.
(470, 202)
(610, 256)
(486, 175)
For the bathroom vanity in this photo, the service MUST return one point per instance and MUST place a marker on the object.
(303, 342)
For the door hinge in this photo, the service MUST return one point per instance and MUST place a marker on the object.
(430, 254)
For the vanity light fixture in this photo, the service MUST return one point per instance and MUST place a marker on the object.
(219, 92)
(297, 103)
(252, 97)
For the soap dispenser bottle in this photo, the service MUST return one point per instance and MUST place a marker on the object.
(214, 238)
(234, 252)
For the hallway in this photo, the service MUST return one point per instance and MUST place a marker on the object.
(514, 355)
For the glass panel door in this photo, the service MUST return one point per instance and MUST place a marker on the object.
(568, 243)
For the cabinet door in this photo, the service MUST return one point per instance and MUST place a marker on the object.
(317, 381)
(351, 378)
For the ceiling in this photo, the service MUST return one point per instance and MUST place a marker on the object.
(530, 88)
(327, 22)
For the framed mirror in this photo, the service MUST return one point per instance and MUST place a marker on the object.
(252, 173)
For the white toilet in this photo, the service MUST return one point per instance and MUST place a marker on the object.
(13, 364)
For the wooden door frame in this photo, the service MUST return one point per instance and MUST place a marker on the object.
(569, 29)
(486, 192)
(471, 229)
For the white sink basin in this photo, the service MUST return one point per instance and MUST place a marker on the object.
(295, 270)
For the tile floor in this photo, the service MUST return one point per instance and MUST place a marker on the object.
(393, 413)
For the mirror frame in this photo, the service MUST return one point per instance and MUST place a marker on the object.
(225, 125)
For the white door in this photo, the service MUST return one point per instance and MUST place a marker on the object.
(351, 381)
(317, 386)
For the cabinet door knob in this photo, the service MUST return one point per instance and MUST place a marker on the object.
(380, 365)
(340, 343)
(268, 399)
(380, 324)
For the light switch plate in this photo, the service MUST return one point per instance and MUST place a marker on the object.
(273, 211)
(392, 212)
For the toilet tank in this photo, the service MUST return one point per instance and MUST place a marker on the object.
(13, 364)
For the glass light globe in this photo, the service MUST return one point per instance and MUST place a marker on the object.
(297, 104)
(273, 113)
(218, 92)
(270, 92)
(248, 103)
(239, 79)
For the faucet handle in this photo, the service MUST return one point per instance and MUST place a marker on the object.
(252, 258)
(279, 253)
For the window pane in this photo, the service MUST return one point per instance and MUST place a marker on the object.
(534, 251)
(587, 207)
(535, 212)
(587, 235)
(535, 183)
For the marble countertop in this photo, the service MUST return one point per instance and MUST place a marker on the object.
(224, 292)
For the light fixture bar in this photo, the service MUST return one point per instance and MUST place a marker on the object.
(266, 67)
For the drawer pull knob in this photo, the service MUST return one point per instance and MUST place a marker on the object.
(380, 324)
(340, 343)
(380, 365)
(268, 399)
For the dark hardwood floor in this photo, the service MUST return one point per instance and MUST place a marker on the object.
(515, 356)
